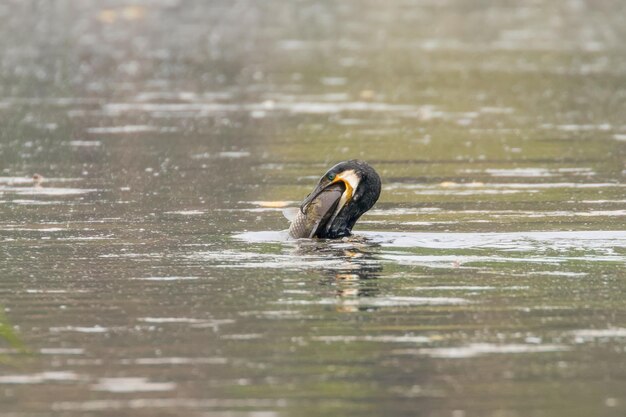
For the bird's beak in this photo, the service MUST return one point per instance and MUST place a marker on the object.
(347, 177)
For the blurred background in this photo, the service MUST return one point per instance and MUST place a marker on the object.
(147, 149)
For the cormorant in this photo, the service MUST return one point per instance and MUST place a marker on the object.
(342, 195)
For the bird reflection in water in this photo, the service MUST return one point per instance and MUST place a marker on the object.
(353, 268)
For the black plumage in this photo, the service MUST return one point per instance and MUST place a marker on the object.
(362, 189)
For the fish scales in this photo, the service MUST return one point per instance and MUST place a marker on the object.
(305, 224)
(298, 227)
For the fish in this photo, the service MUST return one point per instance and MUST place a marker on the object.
(315, 215)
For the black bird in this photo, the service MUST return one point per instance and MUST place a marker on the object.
(342, 195)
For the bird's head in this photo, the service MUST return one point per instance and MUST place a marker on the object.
(361, 189)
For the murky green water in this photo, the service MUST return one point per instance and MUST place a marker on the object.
(147, 275)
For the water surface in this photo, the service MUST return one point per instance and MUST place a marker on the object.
(147, 151)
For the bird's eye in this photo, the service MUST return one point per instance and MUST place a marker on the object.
(330, 176)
